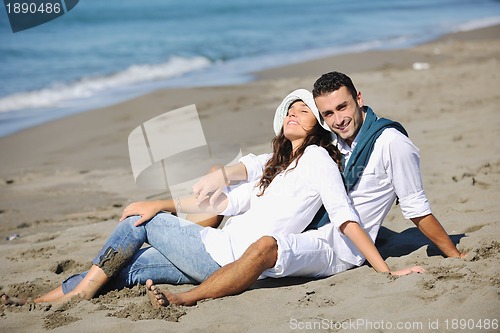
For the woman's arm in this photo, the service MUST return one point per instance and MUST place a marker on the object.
(365, 245)
(249, 168)
(211, 185)
(148, 209)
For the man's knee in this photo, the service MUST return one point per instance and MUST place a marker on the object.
(264, 251)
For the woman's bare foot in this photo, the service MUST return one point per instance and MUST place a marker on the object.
(160, 297)
(85, 290)
(71, 296)
(53, 297)
(6, 300)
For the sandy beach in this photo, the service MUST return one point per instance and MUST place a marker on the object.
(64, 184)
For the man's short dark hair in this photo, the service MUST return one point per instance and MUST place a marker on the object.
(331, 82)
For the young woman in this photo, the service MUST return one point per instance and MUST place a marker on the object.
(302, 174)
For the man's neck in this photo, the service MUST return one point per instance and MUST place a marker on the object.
(350, 140)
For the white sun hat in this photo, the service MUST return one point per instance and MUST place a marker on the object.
(282, 110)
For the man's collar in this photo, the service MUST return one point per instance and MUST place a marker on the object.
(344, 147)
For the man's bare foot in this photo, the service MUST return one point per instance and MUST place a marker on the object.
(160, 297)
(151, 291)
(156, 296)
(6, 300)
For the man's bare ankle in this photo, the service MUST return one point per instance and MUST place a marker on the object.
(185, 298)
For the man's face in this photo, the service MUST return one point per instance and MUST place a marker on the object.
(342, 113)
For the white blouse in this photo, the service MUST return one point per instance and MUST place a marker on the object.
(287, 206)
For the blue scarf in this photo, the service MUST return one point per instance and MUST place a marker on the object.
(370, 131)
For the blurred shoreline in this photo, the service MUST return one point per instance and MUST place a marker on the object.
(27, 109)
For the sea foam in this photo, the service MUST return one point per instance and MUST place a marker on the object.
(87, 87)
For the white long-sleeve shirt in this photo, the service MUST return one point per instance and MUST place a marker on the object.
(287, 206)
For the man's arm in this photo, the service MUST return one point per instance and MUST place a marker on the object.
(433, 230)
(404, 167)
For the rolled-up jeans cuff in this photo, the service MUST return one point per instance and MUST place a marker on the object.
(111, 261)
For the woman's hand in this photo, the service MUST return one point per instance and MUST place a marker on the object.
(145, 209)
(408, 271)
(210, 185)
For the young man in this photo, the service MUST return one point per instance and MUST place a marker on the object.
(381, 165)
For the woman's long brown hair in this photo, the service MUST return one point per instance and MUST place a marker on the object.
(283, 155)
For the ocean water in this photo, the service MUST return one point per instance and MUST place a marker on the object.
(102, 52)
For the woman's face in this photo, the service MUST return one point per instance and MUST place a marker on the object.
(298, 122)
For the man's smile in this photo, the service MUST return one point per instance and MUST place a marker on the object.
(343, 126)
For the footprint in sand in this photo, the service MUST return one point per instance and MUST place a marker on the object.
(67, 266)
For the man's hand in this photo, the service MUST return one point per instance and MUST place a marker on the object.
(210, 185)
(408, 271)
(145, 209)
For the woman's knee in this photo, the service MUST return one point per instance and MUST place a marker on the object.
(129, 221)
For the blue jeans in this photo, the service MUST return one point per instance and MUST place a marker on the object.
(176, 254)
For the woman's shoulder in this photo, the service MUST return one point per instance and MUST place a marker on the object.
(315, 149)
(318, 162)
(314, 152)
